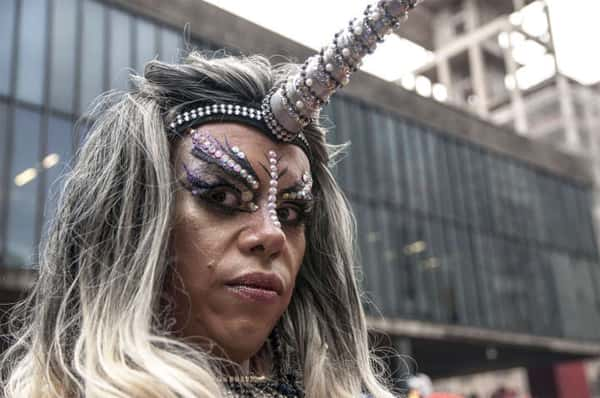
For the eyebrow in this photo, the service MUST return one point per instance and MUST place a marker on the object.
(243, 162)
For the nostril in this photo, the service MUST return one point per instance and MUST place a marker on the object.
(259, 248)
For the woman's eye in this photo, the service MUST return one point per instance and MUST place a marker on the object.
(223, 196)
(289, 214)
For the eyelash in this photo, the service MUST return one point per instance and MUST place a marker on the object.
(204, 193)
(301, 208)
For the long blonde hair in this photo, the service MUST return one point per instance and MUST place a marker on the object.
(94, 324)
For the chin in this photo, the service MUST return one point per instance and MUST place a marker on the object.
(245, 339)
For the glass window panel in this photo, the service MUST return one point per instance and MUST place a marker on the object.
(467, 266)
(390, 143)
(383, 260)
(482, 259)
(457, 275)
(3, 149)
(415, 252)
(342, 132)
(409, 157)
(585, 207)
(55, 161)
(432, 167)
(3, 154)
(429, 267)
(420, 181)
(120, 49)
(357, 159)
(145, 44)
(456, 175)
(444, 180)
(392, 257)
(92, 62)
(405, 247)
(7, 21)
(170, 43)
(366, 251)
(62, 83)
(22, 205)
(379, 179)
(32, 45)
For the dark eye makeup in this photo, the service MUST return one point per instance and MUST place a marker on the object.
(216, 191)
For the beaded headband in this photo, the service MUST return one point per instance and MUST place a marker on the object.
(287, 109)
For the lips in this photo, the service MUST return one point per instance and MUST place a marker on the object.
(258, 281)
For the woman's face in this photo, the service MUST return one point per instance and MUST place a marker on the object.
(238, 237)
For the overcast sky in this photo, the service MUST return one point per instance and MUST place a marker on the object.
(313, 22)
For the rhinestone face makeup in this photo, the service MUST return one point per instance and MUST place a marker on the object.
(208, 146)
(305, 193)
(273, 182)
(231, 160)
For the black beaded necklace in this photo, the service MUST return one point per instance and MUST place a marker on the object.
(283, 384)
(261, 386)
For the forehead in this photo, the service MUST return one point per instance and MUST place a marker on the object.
(254, 143)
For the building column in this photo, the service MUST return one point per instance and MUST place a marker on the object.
(567, 106)
(476, 60)
(516, 96)
(445, 78)
(565, 380)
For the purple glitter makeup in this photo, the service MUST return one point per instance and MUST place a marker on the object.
(211, 148)
(208, 148)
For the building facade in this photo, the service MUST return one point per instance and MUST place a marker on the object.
(476, 244)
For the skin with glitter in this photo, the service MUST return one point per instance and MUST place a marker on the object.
(218, 239)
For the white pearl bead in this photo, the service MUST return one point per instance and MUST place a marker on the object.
(358, 30)
(346, 52)
(309, 82)
(299, 105)
(375, 15)
(329, 67)
(329, 53)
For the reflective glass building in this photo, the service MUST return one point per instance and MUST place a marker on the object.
(468, 234)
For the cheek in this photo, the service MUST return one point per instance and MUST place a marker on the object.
(196, 249)
(297, 242)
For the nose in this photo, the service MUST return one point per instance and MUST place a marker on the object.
(261, 237)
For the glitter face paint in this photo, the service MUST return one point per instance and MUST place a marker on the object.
(233, 162)
(303, 191)
(273, 182)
